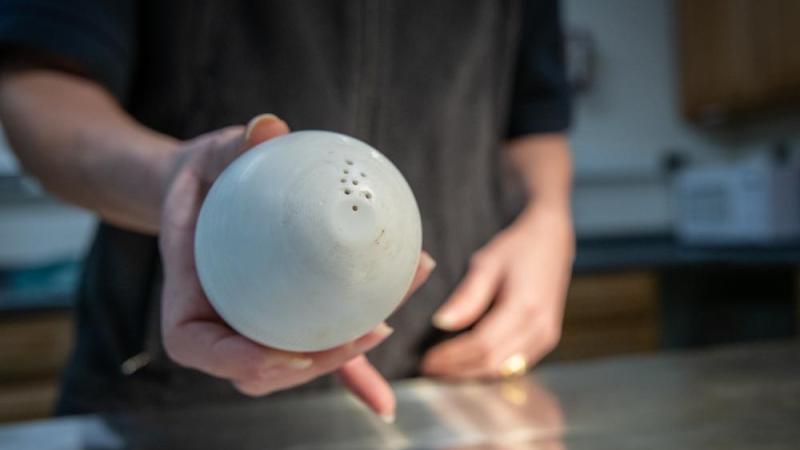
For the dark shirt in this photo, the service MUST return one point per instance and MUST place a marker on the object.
(437, 86)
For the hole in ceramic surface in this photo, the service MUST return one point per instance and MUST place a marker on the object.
(347, 192)
(368, 195)
(349, 162)
(363, 175)
(355, 182)
(343, 180)
(346, 171)
(355, 208)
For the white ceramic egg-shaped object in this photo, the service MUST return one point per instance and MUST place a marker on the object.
(308, 241)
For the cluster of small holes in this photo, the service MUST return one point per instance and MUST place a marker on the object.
(353, 179)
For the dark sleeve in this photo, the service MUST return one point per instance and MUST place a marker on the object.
(98, 36)
(540, 101)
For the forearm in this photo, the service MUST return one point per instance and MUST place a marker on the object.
(544, 164)
(84, 148)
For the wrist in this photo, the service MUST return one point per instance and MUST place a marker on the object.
(174, 157)
(156, 154)
(557, 211)
(548, 219)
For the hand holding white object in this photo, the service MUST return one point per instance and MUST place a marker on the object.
(194, 334)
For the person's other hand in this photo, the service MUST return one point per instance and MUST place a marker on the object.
(195, 335)
(523, 274)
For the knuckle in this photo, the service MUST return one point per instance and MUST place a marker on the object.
(488, 360)
(198, 155)
(218, 140)
(312, 376)
(478, 260)
(483, 352)
(227, 135)
(251, 371)
(232, 131)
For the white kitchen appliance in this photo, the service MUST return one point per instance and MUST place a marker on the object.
(756, 201)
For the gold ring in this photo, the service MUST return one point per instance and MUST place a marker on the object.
(516, 365)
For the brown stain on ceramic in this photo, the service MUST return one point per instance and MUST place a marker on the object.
(378, 239)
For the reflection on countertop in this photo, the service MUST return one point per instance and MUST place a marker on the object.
(735, 398)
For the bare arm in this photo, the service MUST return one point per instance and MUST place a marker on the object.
(72, 135)
(545, 166)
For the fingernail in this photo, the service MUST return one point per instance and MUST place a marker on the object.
(427, 262)
(387, 418)
(444, 321)
(299, 363)
(255, 121)
(383, 330)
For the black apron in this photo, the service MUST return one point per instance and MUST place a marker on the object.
(434, 85)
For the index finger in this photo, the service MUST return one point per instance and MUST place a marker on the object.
(363, 380)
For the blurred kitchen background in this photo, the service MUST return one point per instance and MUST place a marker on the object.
(686, 140)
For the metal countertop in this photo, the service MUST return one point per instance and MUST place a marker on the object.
(734, 398)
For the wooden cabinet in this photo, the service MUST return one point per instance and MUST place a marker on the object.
(738, 58)
(33, 349)
(609, 314)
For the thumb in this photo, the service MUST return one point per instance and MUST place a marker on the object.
(223, 146)
(263, 128)
(363, 380)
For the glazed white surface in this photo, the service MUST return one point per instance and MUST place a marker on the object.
(308, 241)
